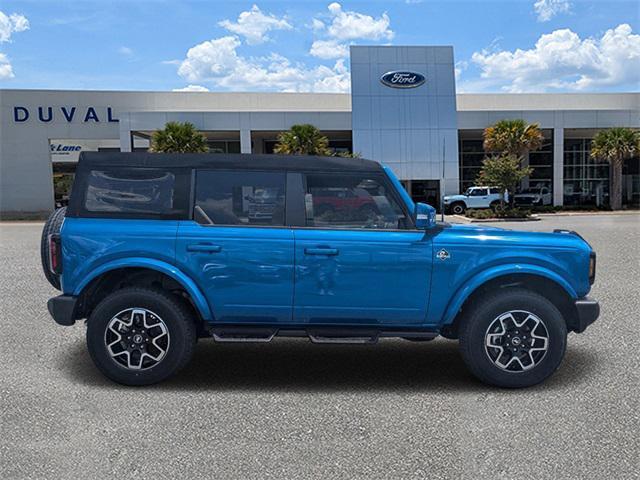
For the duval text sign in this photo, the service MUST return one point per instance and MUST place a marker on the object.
(402, 79)
(69, 114)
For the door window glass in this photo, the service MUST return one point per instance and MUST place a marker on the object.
(242, 197)
(477, 192)
(351, 201)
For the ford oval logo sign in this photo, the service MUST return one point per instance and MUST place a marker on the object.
(402, 79)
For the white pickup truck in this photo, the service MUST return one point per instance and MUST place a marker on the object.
(474, 197)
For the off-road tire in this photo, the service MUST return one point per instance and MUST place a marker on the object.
(51, 227)
(474, 326)
(174, 313)
(458, 208)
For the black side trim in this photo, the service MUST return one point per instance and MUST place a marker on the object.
(62, 308)
(588, 311)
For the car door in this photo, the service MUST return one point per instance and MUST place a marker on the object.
(472, 198)
(478, 198)
(237, 248)
(359, 262)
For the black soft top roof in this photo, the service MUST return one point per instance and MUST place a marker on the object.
(234, 161)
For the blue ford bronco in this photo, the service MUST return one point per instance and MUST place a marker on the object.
(158, 250)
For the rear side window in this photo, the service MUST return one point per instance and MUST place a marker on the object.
(130, 192)
(494, 191)
(241, 198)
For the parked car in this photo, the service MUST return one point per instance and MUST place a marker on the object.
(534, 196)
(473, 197)
(158, 250)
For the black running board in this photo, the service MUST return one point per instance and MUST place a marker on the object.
(319, 335)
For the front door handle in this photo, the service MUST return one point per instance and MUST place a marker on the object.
(321, 251)
(204, 247)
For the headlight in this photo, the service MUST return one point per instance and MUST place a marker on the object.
(592, 267)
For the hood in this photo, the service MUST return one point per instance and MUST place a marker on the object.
(481, 234)
(454, 197)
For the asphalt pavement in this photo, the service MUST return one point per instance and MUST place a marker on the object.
(290, 409)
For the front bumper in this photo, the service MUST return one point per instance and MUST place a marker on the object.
(63, 308)
(588, 311)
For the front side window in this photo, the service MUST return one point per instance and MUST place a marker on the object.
(242, 197)
(130, 191)
(351, 201)
(477, 192)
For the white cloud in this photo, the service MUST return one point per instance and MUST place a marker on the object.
(10, 24)
(547, 9)
(126, 51)
(217, 62)
(6, 71)
(317, 25)
(561, 60)
(348, 25)
(460, 67)
(327, 49)
(192, 88)
(210, 59)
(254, 25)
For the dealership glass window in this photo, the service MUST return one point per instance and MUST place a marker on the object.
(631, 182)
(351, 201)
(241, 198)
(586, 180)
(472, 154)
(224, 146)
(130, 191)
(426, 191)
(542, 163)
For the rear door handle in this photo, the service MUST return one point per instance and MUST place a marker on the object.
(204, 247)
(321, 251)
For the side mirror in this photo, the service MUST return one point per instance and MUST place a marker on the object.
(424, 216)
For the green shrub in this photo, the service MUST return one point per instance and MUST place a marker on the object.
(487, 213)
(481, 214)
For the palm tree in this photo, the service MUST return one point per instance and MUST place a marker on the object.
(302, 139)
(513, 138)
(178, 137)
(615, 146)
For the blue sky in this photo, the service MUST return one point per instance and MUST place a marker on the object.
(499, 46)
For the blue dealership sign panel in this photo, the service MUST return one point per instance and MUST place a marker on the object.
(404, 110)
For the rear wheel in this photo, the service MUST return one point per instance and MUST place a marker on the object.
(139, 336)
(51, 227)
(514, 338)
(458, 208)
(495, 205)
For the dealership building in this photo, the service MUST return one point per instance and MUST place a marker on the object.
(403, 110)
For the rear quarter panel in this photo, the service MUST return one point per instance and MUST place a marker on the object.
(89, 243)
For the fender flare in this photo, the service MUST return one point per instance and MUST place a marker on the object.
(479, 279)
(163, 267)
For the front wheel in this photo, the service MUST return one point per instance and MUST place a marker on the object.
(458, 208)
(514, 338)
(139, 336)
